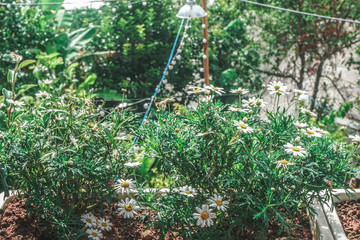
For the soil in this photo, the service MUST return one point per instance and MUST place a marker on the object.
(349, 214)
(16, 225)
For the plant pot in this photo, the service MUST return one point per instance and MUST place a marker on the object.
(326, 224)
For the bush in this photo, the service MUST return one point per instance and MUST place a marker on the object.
(258, 166)
(62, 154)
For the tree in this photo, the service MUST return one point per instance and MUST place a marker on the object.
(298, 46)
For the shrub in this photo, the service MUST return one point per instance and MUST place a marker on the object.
(258, 165)
(62, 155)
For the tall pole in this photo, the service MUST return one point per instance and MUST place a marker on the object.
(205, 46)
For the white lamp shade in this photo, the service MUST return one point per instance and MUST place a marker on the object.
(191, 11)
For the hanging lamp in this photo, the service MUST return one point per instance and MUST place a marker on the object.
(191, 10)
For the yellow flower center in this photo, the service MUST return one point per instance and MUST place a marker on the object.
(238, 109)
(188, 192)
(219, 202)
(310, 132)
(128, 208)
(278, 92)
(277, 87)
(243, 126)
(284, 162)
(95, 234)
(204, 215)
(104, 224)
(239, 91)
(88, 220)
(125, 184)
(296, 149)
(258, 102)
(215, 89)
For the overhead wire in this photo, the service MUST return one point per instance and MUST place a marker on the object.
(300, 12)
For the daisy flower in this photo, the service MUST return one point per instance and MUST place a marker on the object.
(204, 216)
(89, 220)
(47, 81)
(16, 103)
(128, 208)
(74, 140)
(250, 102)
(2, 105)
(276, 85)
(196, 90)
(216, 90)
(94, 234)
(204, 134)
(243, 127)
(234, 109)
(104, 224)
(278, 92)
(283, 163)
(300, 92)
(296, 151)
(319, 130)
(240, 91)
(355, 138)
(311, 132)
(188, 191)
(43, 95)
(300, 125)
(207, 99)
(260, 103)
(308, 112)
(124, 186)
(122, 105)
(217, 202)
(132, 164)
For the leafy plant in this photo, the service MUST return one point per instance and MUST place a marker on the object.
(253, 163)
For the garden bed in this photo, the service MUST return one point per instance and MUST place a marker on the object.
(16, 225)
(326, 224)
(349, 214)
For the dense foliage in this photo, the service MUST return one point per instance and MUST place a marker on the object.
(252, 163)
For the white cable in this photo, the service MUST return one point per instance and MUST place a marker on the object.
(62, 3)
(303, 13)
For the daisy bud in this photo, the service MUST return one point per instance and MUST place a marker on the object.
(263, 85)
(123, 90)
(297, 139)
(250, 112)
(343, 128)
(204, 56)
(177, 130)
(70, 163)
(321, 125)
(203, 25)
(273, 189)
(293, 187)
(178, 113)
(164, 120)
(245, 119)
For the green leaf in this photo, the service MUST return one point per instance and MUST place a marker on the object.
(79, 39)
(7, 94)
(50, 7)
(10, 76)
(3, 120)
(26, 63)
(25, 87)
(90, 80)
(64, 19)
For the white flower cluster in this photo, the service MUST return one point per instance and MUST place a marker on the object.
(95, 225)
